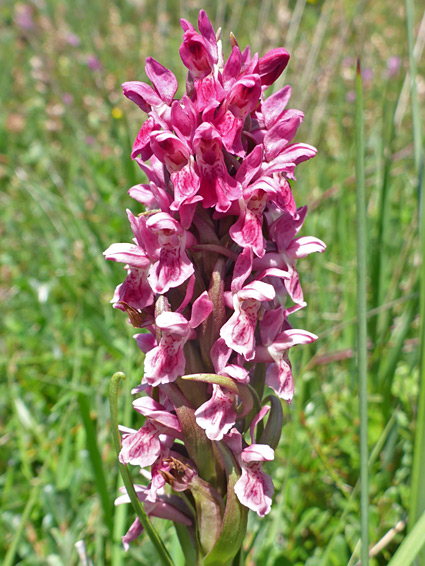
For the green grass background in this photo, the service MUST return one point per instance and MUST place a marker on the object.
(65, 139)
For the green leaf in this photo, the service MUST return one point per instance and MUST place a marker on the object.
(411, 546)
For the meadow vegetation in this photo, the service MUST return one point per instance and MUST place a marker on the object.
(65, 168)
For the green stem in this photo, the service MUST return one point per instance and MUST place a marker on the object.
(417, 495)
(125, 474)
(362, 319)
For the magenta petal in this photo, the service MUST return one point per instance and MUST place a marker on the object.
(257, 452)
(174, 266)
(226, 189)
(282, 133)
(209, 93)
(188, 295)
(145, 238)
(274, 106)
(133, 532)
(141, 448)
(218, 188)
(135, 290)
(284, 198)
(164, 364)
(293, 287)
(271, 325)
(238, 333)
(146, 342)
(141, 94)
(242, 269)
(275, 272)
(143, 194)
(207, 31)
(258, 291)
(302, 247)
(156, 412)
(172, 269)
(220, 354)
(184, 117)
(166, 510)
(201, 309)
(237, 373)
(248, 231)
(287, 227)
(162, 198)
(163, 80)
(291, 156)
(216, 416)
(250, 166)
(230, 129)
(195, 55)
(186, 25)
(289, 338)
(170, 149)
(272, 64)
(279, 378)
(127, 253)
(142, 143)
(234, 441)
(258, 417)
(187, 212)
(254, 489)
(173, 322)
(165, 225)
(244, 95)
(154, 172)
(186, 184)
(157, 483)
(232, 67)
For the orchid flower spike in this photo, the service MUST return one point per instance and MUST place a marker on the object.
(211, 283)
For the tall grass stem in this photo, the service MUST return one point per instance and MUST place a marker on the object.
(362, 319)
(417, 493)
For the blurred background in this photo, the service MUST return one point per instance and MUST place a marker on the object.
(66, 134)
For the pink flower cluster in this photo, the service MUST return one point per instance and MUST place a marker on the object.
(211, 274)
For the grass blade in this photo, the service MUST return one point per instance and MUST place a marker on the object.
(417, 494)
(411, 546)
(378, 256)
(96, 460)
(416, 117)
(10, 556)
(362, 320)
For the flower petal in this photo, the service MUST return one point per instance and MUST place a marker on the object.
(163, 79)
(254, 489)
(217, 416)
(141, 448)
